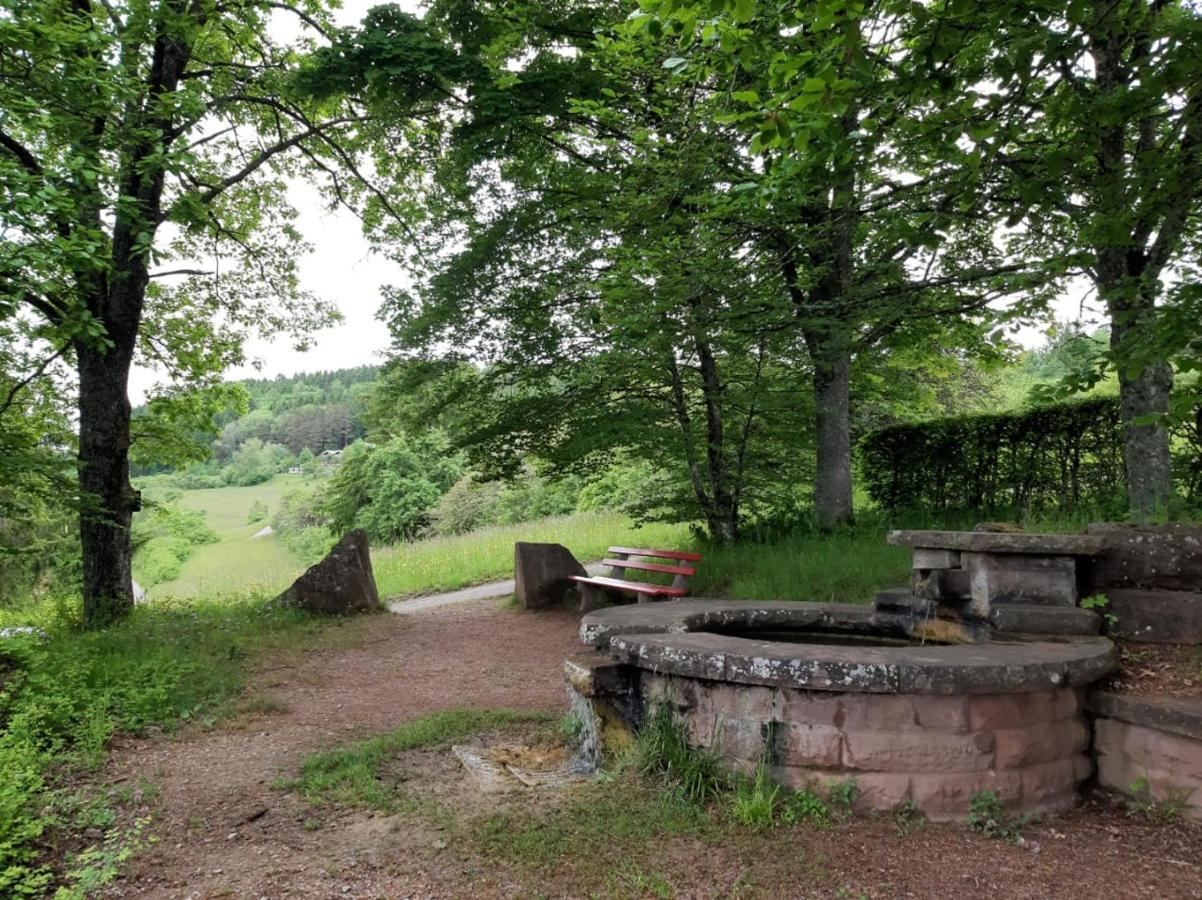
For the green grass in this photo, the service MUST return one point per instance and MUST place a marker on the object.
(446, 563)
(226, 508)
(63, 697)
(609, 836)
(236, 563)
(847, 568)
(239, 563)
(262, 565)
(627, 811)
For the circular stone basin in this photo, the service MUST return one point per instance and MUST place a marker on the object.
(927, 711)
(838, 646)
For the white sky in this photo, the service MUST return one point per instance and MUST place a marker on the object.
(343, 270)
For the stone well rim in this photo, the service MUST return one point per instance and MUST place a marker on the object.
(669, 638)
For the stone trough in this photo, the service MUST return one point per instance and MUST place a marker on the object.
(914, 708)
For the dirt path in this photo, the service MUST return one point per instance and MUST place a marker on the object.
(224, 831)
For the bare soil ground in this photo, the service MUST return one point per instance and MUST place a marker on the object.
(1164, 670)
(225, 828)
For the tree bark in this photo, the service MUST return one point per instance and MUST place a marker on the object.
(109, 499)
(718, 505)
(833, 479)
(1146, 454)
(1127, 269)
(724, 519)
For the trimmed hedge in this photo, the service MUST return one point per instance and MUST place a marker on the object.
(1065, 455)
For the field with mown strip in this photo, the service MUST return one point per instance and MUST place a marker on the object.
(238, 562)
(848, 567)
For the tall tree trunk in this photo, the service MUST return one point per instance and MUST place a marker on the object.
(1127, 270)
(1145, 446)
(724, 521)
(109, 499)
(833, 481)
(718, 504)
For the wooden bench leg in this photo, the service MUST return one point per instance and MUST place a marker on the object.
(645, 598)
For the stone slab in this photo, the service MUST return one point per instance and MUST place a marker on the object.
(1168, 557)
(542, 572)
(1146, 759)
(927, 558)
(340, 584)
(943, 585)
(597, 675)
(1018, 618)
(1157, 617)
(998, 578)
(1180, 717)
(901, 600)
(993, 542)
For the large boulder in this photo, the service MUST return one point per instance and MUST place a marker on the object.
(341, 583)
(541, 574)
(1165, 557)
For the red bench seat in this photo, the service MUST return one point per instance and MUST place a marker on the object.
(645, 591)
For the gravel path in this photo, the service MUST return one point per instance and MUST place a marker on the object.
(476, 592)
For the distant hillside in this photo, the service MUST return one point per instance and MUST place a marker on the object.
(290, 418)
(313, 411)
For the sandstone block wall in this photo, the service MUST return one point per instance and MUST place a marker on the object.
(1171, 764)
(937, 751)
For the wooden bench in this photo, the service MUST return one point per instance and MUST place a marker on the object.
(622, 558)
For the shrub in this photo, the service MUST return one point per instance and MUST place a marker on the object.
(389, 490)
(163, 536)
(161, 559)
(629, 485)
(467, 506)
(309, 544)
(1063, 455)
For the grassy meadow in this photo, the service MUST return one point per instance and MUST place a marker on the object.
(445, 563)
(848, 567)
(237, 563)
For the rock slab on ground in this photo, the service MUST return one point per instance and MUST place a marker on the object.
(341, 583)
(542, 573)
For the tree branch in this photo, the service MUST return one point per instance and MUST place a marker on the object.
(28, 161)
(33, 376)
(269, 153)
(167, 272)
